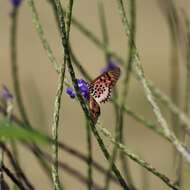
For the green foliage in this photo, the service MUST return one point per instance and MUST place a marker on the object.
(11, 131)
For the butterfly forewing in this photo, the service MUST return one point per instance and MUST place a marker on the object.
(101, 87)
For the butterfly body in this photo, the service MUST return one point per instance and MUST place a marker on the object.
(100, 90)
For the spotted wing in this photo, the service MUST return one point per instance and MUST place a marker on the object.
(100, 88)
(94, 109)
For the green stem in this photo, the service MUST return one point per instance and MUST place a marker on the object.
(95, 40)
(170, 105)
(141, 119)
(105, 40)
(174, 91)
(165, 100)
(89, 143)
(39, 29)
(13, 178)
(138, 160)
(184, 175)
(60, 14)
(170, 11)
(17, 169)
(104, 29)
(145, 122)
(55, 125)
(90, 158)
(187, 89)
(1, 167)
(14, 69)
(14, 66)
(157, 93)
(140, 73)
(134, 115)
(128, 69)
(81, 69)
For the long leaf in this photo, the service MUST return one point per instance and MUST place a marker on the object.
(11, 131)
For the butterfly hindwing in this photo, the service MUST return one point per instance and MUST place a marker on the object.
(101, 87)
(94, 109)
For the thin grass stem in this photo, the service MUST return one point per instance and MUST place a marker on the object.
(13, 178)
(57, 104)
(14, 65)
(183, 175)
(140, 73)
(126, 80)
(138, 160)
(90, 157)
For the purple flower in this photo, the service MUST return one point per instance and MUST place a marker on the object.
(5, 94)
(71, 92)
(83, 87)
(110, 66)
(16, 3)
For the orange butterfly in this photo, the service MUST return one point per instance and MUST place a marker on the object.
(100, 90)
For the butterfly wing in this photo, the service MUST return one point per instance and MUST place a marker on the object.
(100, 90)
(94, 109)
(101, 87)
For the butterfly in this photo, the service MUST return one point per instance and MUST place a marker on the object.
(100, 90)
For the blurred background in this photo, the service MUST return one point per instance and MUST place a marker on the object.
(39, 81)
